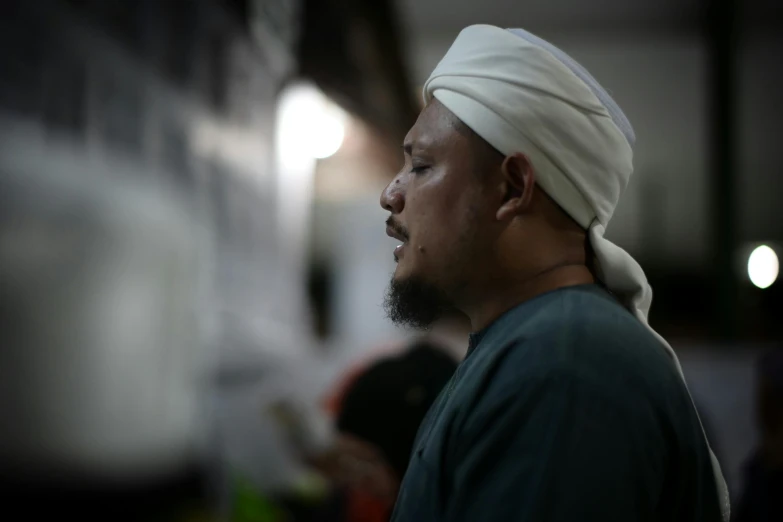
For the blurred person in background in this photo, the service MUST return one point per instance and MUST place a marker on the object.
(378, 409)
(762, 495)
(568, 406)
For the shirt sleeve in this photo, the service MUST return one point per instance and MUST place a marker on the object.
(557, 449)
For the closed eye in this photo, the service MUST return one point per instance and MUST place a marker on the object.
(420, 169)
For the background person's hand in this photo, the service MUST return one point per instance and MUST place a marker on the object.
(355, 464)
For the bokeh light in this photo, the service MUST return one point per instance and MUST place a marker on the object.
(763, 266)
(309, 123)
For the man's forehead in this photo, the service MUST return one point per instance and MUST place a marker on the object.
(432, 125)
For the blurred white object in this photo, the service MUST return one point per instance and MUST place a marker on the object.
(267, 412)
(309, 124)
(104, 347)
(763, 266)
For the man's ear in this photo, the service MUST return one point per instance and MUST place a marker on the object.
(518, 184)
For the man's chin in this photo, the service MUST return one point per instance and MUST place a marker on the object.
(402, 272)
(412, 302)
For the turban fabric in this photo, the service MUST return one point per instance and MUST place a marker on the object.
(523, 95)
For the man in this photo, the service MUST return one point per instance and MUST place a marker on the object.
(567, 407)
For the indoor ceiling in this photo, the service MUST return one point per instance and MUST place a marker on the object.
(594, 16)
(549, 15)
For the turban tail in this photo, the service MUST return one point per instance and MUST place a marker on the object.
(521, 94)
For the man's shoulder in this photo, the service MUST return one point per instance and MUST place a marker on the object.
(570, 316)
(587, 335)
(583, 312)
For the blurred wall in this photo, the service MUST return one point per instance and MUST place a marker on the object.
(760, 127)
(183, 91)
(722, 384)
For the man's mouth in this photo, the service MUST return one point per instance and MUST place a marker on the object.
(397, 232)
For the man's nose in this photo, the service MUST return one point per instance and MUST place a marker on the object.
(393, 197)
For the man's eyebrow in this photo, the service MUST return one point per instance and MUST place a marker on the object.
(420, 144)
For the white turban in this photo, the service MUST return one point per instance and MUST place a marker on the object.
(522, 94)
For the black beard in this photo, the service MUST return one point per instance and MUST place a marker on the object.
(416, 304)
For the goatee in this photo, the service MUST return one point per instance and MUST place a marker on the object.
(415, 304)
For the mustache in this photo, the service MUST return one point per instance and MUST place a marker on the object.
(391, 223)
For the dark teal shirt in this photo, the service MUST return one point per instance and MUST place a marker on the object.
(566, 409)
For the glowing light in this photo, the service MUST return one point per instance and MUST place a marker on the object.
(763, 266)
(309, 124)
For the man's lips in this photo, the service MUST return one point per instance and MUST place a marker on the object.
(397, 234)
(391, 232)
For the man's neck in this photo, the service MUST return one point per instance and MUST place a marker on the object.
(483, 312)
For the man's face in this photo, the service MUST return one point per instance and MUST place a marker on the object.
(440, 214)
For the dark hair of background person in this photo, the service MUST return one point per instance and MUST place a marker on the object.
(386, 404)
